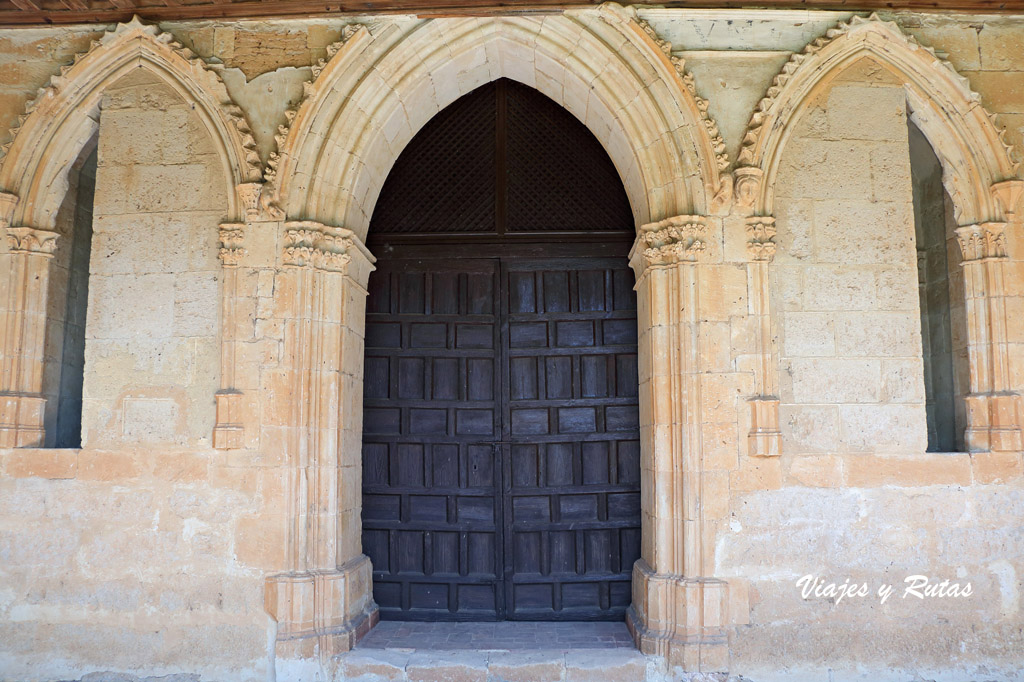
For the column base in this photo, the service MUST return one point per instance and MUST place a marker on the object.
(681, 619)
(994, 423)
(21, 420)
(765, 438)
(321, 613)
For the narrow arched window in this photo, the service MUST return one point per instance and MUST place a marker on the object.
(941, 290)
(68, 298)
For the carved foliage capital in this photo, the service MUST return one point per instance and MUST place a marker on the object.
(982, 241)
(761, 238)
(232, 236)
(31, 241)
(313, 245)
(680, 239)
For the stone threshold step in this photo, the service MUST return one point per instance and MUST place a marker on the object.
(534, 665)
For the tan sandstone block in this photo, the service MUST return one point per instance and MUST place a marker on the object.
(23, 463)
(526, 667)
(182, 467)
(101, 465)
(451, 667)
(816, 471)
(866, 471)
(756, 474)
(260, 542)
(996, 467)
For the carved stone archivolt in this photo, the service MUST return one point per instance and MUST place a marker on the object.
(965, 135)
(49, 135)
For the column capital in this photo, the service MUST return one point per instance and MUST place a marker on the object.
(982, 241)
(310, 244)
(232, 236)
(761, 237)
(31, 241)
(679, 239)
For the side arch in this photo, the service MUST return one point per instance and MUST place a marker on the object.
(607, 68)
(62, 118)
(973, 154)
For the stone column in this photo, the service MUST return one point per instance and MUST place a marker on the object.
(22, 405)
(324, 602)
(764, 439)
(677, 611)
(994, 411)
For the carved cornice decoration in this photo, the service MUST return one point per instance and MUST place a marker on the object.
(31, 241)
(982, 241)
(680, 239)
(721, 156)
(309, 89)
(232, 236)
(761, 238)
(310, 244)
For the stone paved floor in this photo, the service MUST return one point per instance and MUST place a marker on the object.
(503, 636)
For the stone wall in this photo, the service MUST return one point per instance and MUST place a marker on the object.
(160, 547)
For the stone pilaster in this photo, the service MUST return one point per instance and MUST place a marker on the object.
(229, 428)
(22, 404)
(994, 412)
(677, 611)
(323, 603)
(765, 438)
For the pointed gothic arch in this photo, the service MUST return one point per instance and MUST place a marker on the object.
(63, 117)
(979, 176)
(963, 134)
(611, 71)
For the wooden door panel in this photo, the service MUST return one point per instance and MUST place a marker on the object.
(572, 522)
(432, 496)
(501, 451)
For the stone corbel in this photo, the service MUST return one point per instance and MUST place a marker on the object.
(22, 405)
(8, 202)
(1008, 195)
(747, 190)
(256, 199)
(765, 437)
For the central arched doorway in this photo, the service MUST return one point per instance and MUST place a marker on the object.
(501, 455)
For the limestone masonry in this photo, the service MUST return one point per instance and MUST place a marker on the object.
(829, 269)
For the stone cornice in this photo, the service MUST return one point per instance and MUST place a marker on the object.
(31, 241)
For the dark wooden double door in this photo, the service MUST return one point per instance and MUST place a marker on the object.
(501, 475)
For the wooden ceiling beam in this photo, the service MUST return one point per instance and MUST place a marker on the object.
(42, 12)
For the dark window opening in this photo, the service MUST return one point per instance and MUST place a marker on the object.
(940, 287)
(69, 296)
